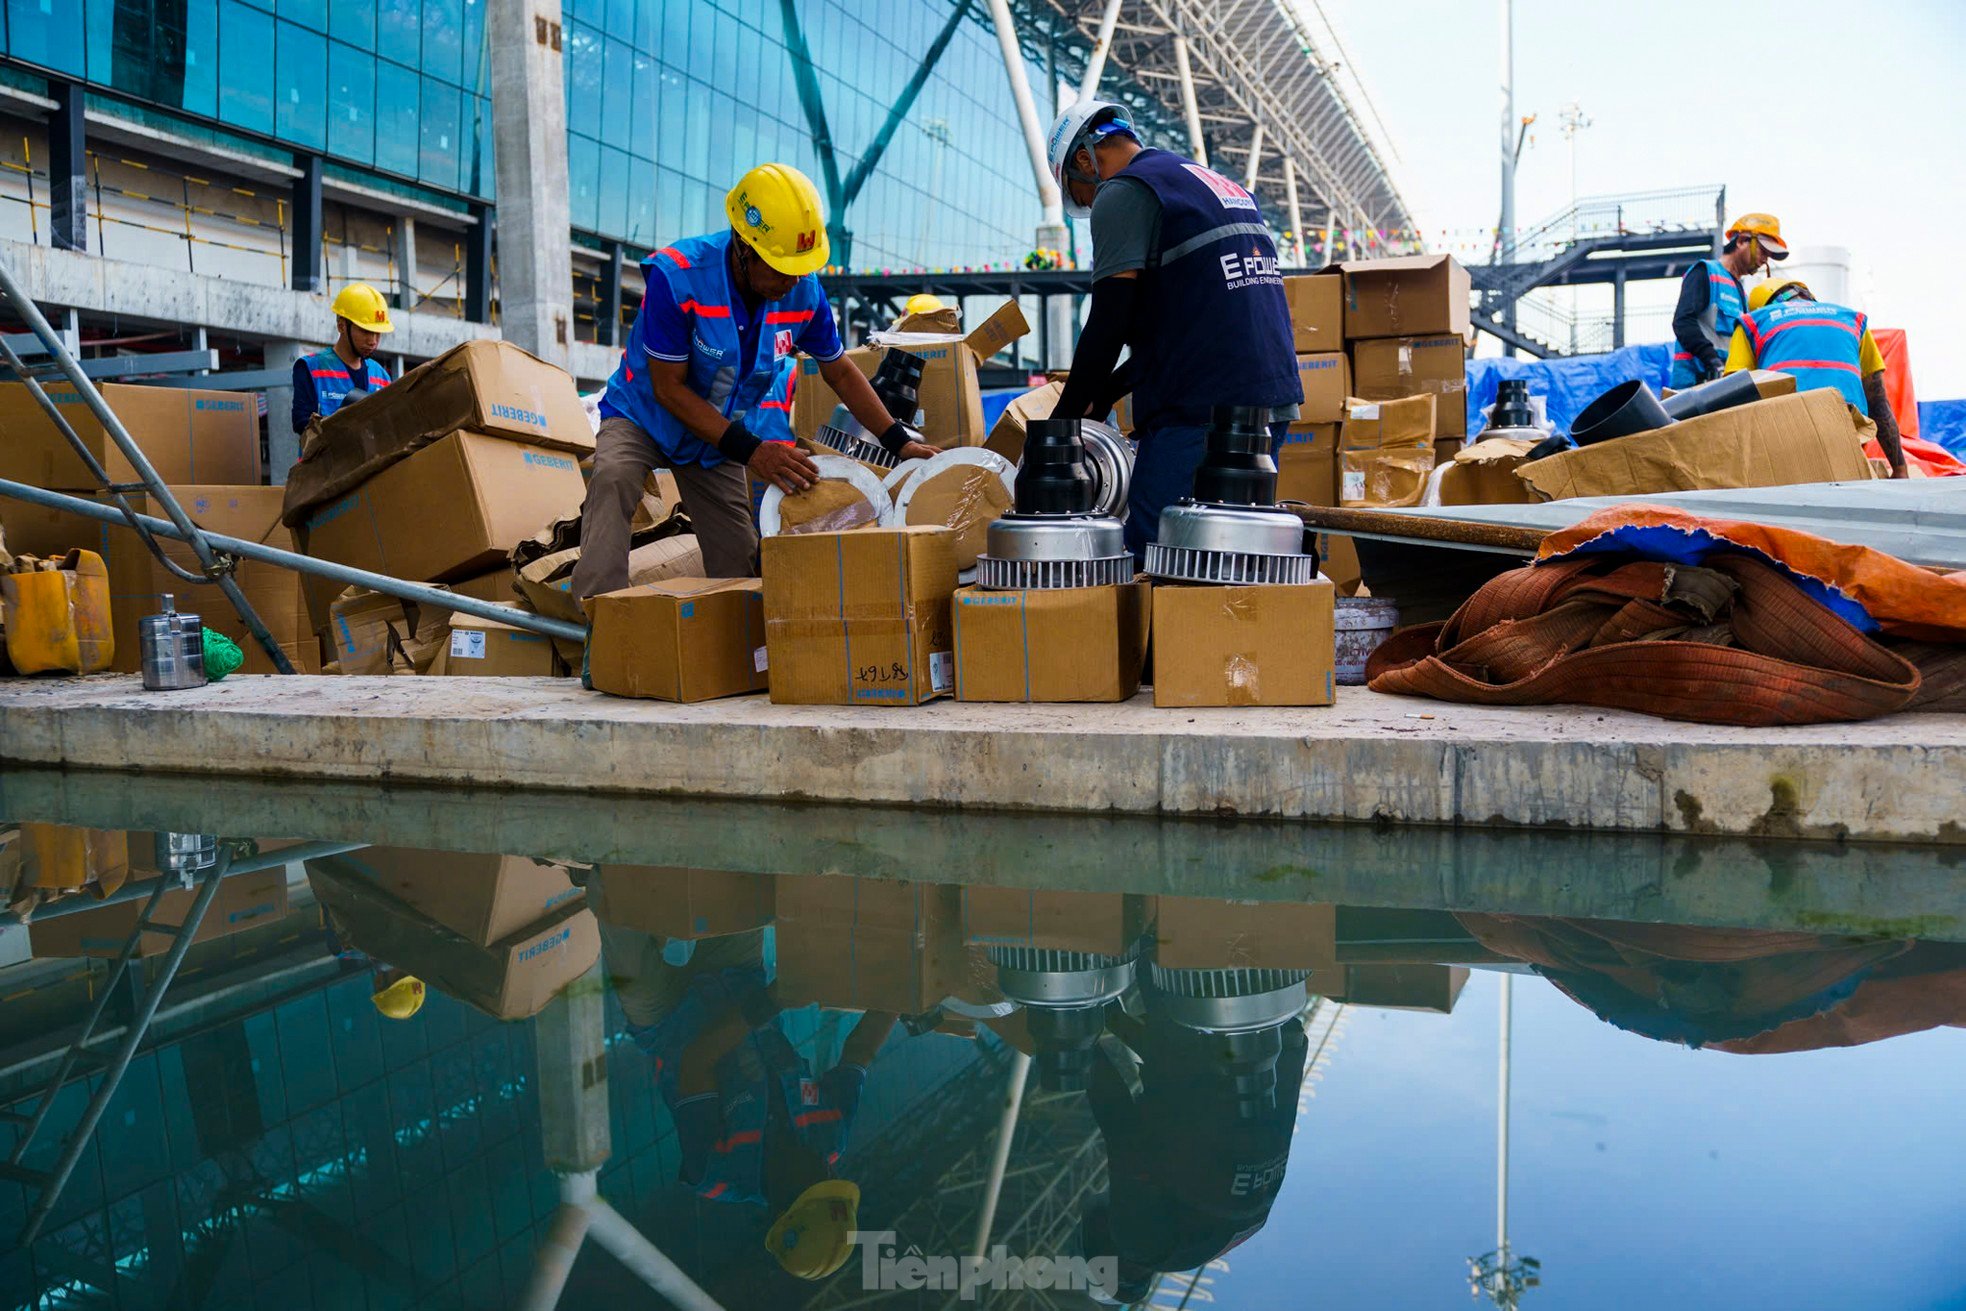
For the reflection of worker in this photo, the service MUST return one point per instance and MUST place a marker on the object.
(325, 381)
(705, 384)
(752, 1122)
(1192, 1173)
(396, 993)
(1712, 300)
(1820, 345)
(1185, 275)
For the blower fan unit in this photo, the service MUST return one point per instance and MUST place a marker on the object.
(1231, 530)
(897, 381)
(1061, 533)
(1065, 994)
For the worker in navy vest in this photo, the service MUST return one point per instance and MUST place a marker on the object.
(1185, 276)
(704, 387)
(328, 380)
(1712, 298)
(1821, 345)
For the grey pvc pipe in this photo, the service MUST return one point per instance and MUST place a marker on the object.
(306, 564)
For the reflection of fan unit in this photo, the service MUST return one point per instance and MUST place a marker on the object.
(185, 853)
(1231, 530)
(1064, 995)
(1059, 535)
(897, 381)
(1246, 1009)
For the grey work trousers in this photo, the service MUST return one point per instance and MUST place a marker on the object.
(717, 500)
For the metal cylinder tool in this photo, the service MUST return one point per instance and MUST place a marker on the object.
(173, 649)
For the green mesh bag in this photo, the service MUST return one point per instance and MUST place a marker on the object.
(222, 655)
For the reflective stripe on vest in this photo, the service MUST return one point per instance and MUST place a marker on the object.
(1818, 344)
(333, 383)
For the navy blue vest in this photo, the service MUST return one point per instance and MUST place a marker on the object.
(1213, 327)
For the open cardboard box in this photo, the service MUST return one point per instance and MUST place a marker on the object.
(951, 399)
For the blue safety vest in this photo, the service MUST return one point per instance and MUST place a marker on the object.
(332, 382)
(1820, 345)
(757, 390)
(1213, 327)
(1725, 305)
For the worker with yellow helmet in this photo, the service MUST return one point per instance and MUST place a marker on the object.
(329, 379)
(1712, 297)
(1820, 345)
(704, 387)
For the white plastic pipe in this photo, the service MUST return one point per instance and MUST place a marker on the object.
(1027, 111)
(1255, 159)
(628, 1246)
(553, 1262)
(1020, 1067)
(584, 1213)
(1188, 105)
(1095, 67)
(1296, 210)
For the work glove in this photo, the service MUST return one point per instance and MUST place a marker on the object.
(905, 442)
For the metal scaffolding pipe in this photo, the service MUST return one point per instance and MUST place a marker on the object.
(632, 1248)
(339, 573)
(1027, 111)
(1095, 66)
(1020, 1066)
(1188, 106)
(1255, 159)
(139, 888)
(1296, 211)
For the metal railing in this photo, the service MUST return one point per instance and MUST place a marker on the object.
(1682, 209)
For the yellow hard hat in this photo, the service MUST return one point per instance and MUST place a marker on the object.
(363, 306)
(401, 999)
(775, 209)
(923, 302)
(1765, 228)
(1762, 292)
(815, 1235)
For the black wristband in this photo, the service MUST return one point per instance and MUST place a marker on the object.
(738, 443)
(896, 436)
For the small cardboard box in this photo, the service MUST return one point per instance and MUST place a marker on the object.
(1805, 437)
(1104, 923)
(1399, 987)
(1406, 421)
(1338, 560)
(1410, 296)
(453, 509)
(1008, 432)
(511, 978)
(189, 436)
(1317, 311)
(485, 648)
(1485, 474)
(1255, 645)
(482, 386)
(1327, 382)
(1307, 465)
(1065, 644)
(682, 903)
(860, 618)
(547, 583)
(685, 639)
(479, 897)
(951, 401)
(1387, 368)
(242, 901)
(869, 944)
(1204, 933)
(1386, 452)
(369, 633)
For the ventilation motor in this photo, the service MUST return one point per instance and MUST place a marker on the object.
(897, 381)
(1244, 1010)
(1231, 530)
(1065, 995)
(1063, 532)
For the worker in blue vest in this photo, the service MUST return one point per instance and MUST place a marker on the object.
(1821, 345)
(1185, 276)
(704, 387)
(1712, 298)
(329, 379)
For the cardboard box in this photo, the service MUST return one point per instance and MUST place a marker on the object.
(453, 509)
(964, 498)
(1317, 311)
(1485, 474)
(951, 401)
(1259, 645)
(189, 436)
(490, 387)
(1400, 987)
(1410, 296)
(242, 901)
(511, 978)
(1007, 433)
(870, 944)
(369, 633)
(1065, 644)
(1338, 561)
(1307, 464)
(860, 618)
(686, 639)
(1386, 452)
(479, 897)
(682, 903)
(547, 583)
(1387, 368)
(1327, 383)
(1406, 421)
(500, 586)
(1104, 923)
(1205, 933)
(485, 648)
(1806, 437)
(65, 858)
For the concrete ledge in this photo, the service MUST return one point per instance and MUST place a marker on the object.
(1371, 758)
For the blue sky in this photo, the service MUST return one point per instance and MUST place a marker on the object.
(1846, 120)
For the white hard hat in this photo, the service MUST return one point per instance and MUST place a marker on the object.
(1069, 133)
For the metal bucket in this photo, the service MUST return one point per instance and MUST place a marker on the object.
(1362, 623)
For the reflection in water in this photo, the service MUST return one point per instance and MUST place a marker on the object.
(400, 1077)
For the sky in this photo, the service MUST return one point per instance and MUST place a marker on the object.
(1847, 121)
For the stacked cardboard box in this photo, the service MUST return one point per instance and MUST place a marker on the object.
(860, 618)
(670, 902)
(1406, 322)
(875, 944)
(189, 436)
(1386, 452)
(951, 399)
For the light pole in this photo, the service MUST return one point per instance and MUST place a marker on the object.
(1502, 1275)
(1574, 120)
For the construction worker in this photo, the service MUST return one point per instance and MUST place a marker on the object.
(324, 381)
(704, 387)
(1712, 298)
(1185, 275)
(1820, 345)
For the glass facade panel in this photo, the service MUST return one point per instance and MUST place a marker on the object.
(443, 39)
(396, 94)
(245, 73)
(353, 21)
(351, 103)
(308, 13)
(300, 76)
(197, 92)
(438, 157)
(45, 32)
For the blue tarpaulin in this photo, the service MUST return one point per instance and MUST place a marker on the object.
(1943, 423)
(996, 401)
(1569, 384)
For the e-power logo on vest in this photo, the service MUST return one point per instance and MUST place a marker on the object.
(1239, 271)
